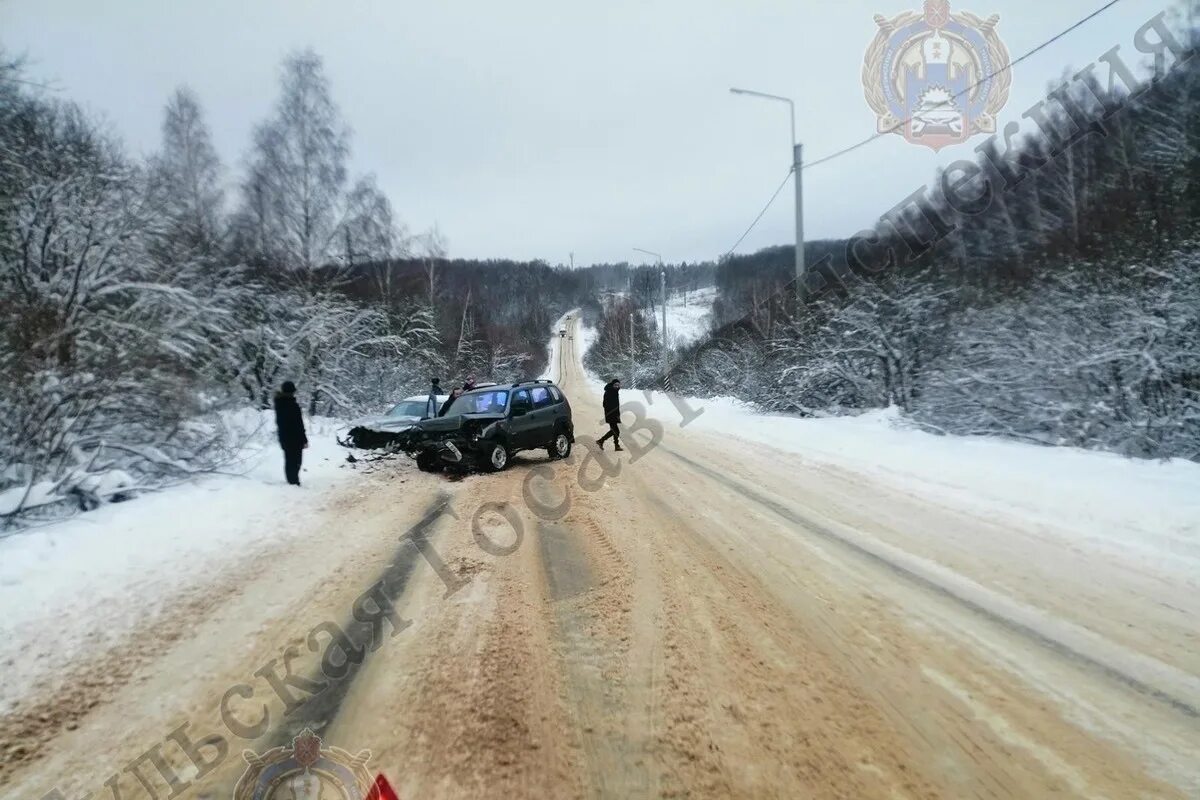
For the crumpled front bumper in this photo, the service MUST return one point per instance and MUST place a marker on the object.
(452, 451)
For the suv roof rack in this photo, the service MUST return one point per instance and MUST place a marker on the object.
(527, 383)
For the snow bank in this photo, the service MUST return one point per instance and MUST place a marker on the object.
(35, 496)
(1146, 510)
(1142, 509)
(587, 338)
(68, 588)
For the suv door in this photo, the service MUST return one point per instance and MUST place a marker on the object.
(521, 420)
(561, 412)
(544, 415)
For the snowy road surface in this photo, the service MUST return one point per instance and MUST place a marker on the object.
(720, 618)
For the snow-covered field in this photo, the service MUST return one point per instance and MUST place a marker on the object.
(70, 586)
(687, 322)
(688, 317)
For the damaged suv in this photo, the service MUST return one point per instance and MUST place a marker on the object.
(485, 427)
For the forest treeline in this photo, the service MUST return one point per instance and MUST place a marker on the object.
(141, 299)
(1049, 290)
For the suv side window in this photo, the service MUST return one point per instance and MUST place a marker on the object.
(521, 398)
(488, 402)
(541, 397)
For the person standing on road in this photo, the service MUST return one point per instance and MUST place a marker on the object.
(612, 414)
(289, 424)
(470, 384)
(432, 406)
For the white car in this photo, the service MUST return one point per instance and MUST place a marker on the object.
(400, 416)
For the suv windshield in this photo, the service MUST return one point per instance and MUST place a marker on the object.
(490, 402)
(409, 408)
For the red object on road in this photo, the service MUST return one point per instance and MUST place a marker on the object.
(382, 790)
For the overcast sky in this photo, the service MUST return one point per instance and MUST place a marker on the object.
(534, 128)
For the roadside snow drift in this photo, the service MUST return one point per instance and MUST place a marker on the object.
(78, 584)
(1147, 510)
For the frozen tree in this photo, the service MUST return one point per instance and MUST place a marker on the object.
(431, 247)
(1109, 364)
(186, 177)
(97, 345)
(372, 237)
(866, 351)
(299, 169)
(297, 213)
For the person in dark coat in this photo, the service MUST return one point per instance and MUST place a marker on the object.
(470, 384)
(290, 425)
(612, 414)
(455, 393)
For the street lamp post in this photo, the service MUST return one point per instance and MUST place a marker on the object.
(797, 168)
(663, 274)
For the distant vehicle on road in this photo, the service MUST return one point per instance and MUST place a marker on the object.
(485, 427)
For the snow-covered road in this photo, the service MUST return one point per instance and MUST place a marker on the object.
(734, 607)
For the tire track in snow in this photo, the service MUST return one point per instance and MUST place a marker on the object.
(320, 710)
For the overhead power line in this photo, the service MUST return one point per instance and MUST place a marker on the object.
(880, 135)
(761, 214)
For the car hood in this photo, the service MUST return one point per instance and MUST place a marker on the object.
(447, 424)
(385, 423)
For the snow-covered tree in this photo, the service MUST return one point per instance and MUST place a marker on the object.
(186, 179)
(299, 212)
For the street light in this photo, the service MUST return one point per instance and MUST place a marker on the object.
(663, 274)
(797, 167)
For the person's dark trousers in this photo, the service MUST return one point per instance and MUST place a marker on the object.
(292, 458)
(614, 432)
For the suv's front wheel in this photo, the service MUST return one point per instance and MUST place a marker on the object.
(496, 457)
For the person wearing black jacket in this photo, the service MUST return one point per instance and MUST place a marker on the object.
(612, 414)
(290, 425)
(455, 393)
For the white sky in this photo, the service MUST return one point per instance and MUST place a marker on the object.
(533, 128)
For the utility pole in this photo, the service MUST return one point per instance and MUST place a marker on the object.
(664, 305)
(572, 261)
(797, 169)
(798, 176)
(632, 353)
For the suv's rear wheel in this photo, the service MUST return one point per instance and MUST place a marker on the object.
(561, 446)
(497, 457)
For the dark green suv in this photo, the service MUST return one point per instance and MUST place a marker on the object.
(485, 427)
